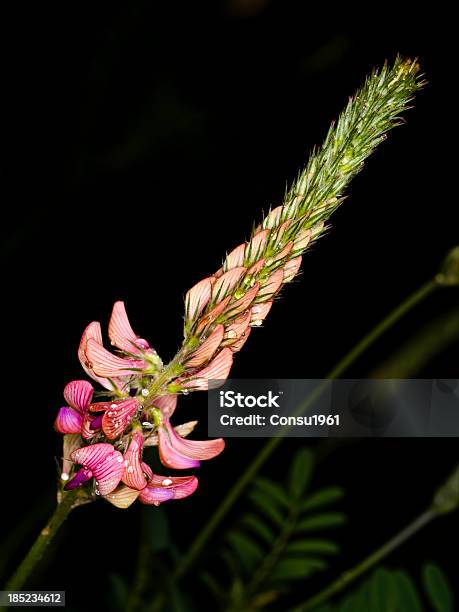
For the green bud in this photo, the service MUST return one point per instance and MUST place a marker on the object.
(449, 271)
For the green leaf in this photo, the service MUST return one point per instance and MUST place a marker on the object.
(437, 588)
(259, 528)
(248, 551)
(273, 490)
(321, 521)
(295, 569)
(326, 547)
(300, 472)
(263, 503)
(381, 591)
(118, 592)
(322, 498)
(407, 595)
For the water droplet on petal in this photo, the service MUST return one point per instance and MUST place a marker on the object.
(144, 392)
(65, 476)
(119, 459)
(130, 469)
(97, 492)
(185, 391)
(166, 482)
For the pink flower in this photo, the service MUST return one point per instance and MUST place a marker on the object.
(99, 461)
(108, 369)
(179, 453)
(133, 475)
(78, 395)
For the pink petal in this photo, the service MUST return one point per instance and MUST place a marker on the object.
(218, 369)
(197, 298)
(281, 255)
(242, 340)
(242, 303)
(226, 283)
(194, 449)
(166, 403)
(86, 430)
(175, 488)
(170, 456)
(237, 328)
(270, 286)
(147, 471)
(78, 394)
(257, 266)
(302, 240)
(105, 364)
(68, 421)
(122, 497)
(210, 317)
(121, 333)
(106, 464)
(279, 234)
(273, 218)
(92, 331)
(202, 354)
(259, 313)
(235, 258)
(291, 269)
(133, 475)
(118, 417)
(256, 247)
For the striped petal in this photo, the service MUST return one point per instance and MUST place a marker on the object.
(210, 317)
(122, 497)
(281, 255)
(105, 463)
(270, 286)
(170, 456)
(197, 298)
(226, 283)
(273, 218)
(78, 394)
(242, 303)
(118, 417)
(87, 431)
(93, 332)
(235, 258)
(105, 364)
(68, 421)
(242, 340)
(162, 489)
(121, 333)
(291, 269)
(259, 313)
(237, 328)
(133, 475)
(302, 240)
(202, 354)
(192, 449)
(255, 248)
(218, 369)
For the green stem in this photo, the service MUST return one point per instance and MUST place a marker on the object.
(349, 576)
(201, 539)
(36, 552)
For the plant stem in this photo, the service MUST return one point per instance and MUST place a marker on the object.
(36, 552)
(349, 576)
(201, 539)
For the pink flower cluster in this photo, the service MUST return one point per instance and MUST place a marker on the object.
(108, 437)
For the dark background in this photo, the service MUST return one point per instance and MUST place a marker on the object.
(140, 144)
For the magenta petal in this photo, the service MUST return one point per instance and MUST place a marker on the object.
(78, 394)
(106, 464)
(118, 416)
(133, 474)
(96, 423)
(170, 455)
(191, 449)
(163, 488)
(92, 331)
(79, 479)
(68, 421)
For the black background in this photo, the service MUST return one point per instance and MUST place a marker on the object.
(140, 143)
